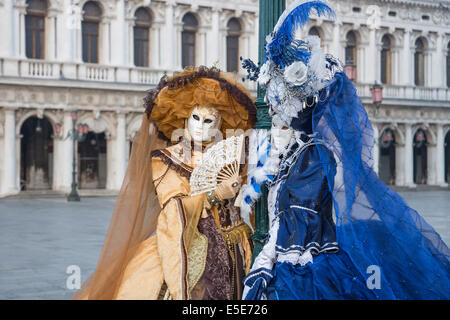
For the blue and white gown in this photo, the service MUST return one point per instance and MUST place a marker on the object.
(301, 259)
(376, 247)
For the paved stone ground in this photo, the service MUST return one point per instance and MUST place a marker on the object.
(41, 237)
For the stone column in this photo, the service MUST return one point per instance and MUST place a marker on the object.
(223, 47)
(429, 68)
(9, 176)
(66, 157)
(440, 156)
(376, 148)
(153, 52)
(170, 38)
(158, 47)
(395, 65)
(51, 36)
(215, 40)
(445, 52)
(130, 40)
(438, 64)
(407, 66)
(105, 39)
(178, 28)
(409, 157)
(431, 161)
(399, 163)
(336, 51)
(377, 63)
(245, 49)
(371, 72)
(19, 27)
(110, 157)
(363, 68)
(120, 150)
(57, 160)
(201, 47)
(77, 38)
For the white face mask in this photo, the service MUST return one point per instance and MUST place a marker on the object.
(203, 123)
(281, 135)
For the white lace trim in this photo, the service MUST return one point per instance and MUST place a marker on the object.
(296, 258)
(304, 208)
(268, 256)
(298, 250)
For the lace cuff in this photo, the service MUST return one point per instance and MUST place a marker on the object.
(256, 283)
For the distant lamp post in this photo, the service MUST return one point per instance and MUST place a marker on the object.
(78, 134)
(58, 128)
(350, 70)
(387, 139)
(419, 139)
(38, 126)
(377, 95)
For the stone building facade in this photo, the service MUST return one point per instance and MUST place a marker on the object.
(99, 57)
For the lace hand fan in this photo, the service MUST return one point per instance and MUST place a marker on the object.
(218, 163)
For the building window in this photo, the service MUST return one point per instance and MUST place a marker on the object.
(36, 154)
(190, 26)
(386, 60)
(233, 33)
(350, 52)
(419, 63)
(314, 31)
(141, 37)
(35, 28)
(90, 31)
(350, 48)
(448, 65)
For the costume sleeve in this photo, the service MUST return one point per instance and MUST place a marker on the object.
(260, 274)
(175, 229)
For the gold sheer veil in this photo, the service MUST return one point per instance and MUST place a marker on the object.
(133, 220)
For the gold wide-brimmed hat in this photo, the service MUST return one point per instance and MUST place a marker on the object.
(173, 100)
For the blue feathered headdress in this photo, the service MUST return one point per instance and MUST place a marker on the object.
(281, 47)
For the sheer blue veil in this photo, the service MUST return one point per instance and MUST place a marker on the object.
(374, 226)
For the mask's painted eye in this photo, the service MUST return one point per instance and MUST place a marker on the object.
(195, 117)
(207, 121)
(284, 128)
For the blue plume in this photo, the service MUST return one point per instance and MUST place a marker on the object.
(289, 22)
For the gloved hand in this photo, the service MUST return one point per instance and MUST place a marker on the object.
(227, 189)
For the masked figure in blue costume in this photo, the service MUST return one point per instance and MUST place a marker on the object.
(336, 231)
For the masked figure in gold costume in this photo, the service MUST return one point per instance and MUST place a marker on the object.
(163, 242)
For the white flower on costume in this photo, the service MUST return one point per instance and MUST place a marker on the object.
(296, 73)
(264, 76)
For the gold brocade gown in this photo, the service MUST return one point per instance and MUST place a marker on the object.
(196, 252)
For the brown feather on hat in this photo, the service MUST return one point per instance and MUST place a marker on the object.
(174, 98)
